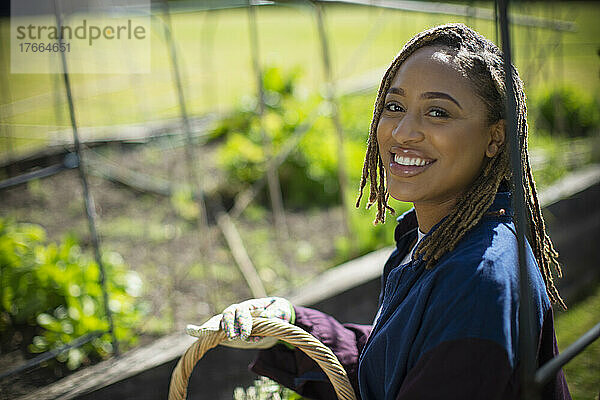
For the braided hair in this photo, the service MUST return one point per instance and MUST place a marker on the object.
(482, 63)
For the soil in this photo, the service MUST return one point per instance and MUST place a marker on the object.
(187, 270)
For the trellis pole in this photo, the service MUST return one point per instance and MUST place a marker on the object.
(206, 240)
(531, 379)
(532, 46)
(496, 22)
(471, 17)
(193, 176)
(88, 200)
(207, 42)
(330, 97)
(5, 127)
(527, 352)
(559, 112)
(272, 172)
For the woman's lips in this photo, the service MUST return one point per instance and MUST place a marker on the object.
(407, 163)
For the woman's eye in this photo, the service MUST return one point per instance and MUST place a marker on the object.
(394, 107)
(438, 113)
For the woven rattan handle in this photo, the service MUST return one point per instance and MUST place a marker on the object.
(264, 327)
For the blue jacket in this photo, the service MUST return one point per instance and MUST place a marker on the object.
(447, 332)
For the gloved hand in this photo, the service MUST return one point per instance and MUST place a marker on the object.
(236, 322)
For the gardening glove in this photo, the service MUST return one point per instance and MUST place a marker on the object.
(236, 322)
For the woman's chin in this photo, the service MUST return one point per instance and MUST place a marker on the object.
(403, 197)
(399, 191)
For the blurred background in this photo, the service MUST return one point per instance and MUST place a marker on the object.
(231, 169)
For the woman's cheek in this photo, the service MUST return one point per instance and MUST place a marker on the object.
(382, 130)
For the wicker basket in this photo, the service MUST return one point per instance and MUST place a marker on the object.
(264, 327)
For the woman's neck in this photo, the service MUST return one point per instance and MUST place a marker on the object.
(429, 214)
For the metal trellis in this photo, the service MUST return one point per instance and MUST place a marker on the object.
(532, 379)
(89, 203)
(272, 173)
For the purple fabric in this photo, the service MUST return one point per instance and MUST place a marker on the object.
(556, 388)
(295, 370)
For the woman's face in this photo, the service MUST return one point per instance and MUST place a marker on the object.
(433, 133)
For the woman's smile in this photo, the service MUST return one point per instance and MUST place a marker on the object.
(408, 162)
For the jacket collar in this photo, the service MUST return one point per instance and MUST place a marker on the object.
(406, 230)
(502, 205)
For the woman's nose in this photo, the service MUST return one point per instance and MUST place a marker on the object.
(408, 129)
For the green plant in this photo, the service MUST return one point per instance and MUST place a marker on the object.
(265, 389)
(567, 111)
(553, 157)
(368, 237)
(52, 291)
(184, 204)
(309, 175)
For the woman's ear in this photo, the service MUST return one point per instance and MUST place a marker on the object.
(497, 137)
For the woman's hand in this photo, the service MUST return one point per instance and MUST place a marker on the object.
(236, 321)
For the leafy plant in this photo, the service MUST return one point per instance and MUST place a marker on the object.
(265, 389)
(567, 111)
(368, 237)
(309, 176)
(53, 290)
(184, 204)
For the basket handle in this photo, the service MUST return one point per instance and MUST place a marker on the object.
(274, 327)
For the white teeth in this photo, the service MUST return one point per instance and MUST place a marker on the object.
(409, 161)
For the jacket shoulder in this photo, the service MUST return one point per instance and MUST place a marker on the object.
(475, 289)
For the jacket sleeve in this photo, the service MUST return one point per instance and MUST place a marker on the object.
(297, 371)
(557, 388)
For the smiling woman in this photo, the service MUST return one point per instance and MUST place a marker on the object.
(432, 146)
(447, 325)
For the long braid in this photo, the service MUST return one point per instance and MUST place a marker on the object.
(474, 203)
(484, 62)
(542, 246)
(548, 256)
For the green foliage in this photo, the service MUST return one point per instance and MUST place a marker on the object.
(546, 155)
(309, 175)
(368, 237)
(567, 111)
(54, 289)
(582, 372)
(184, 204)
(553, 157)
(265, 389)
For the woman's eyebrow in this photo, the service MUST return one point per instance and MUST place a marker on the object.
(398, 91)
(440, 95)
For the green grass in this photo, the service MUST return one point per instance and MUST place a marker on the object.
(583, 372)
(219, 74)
